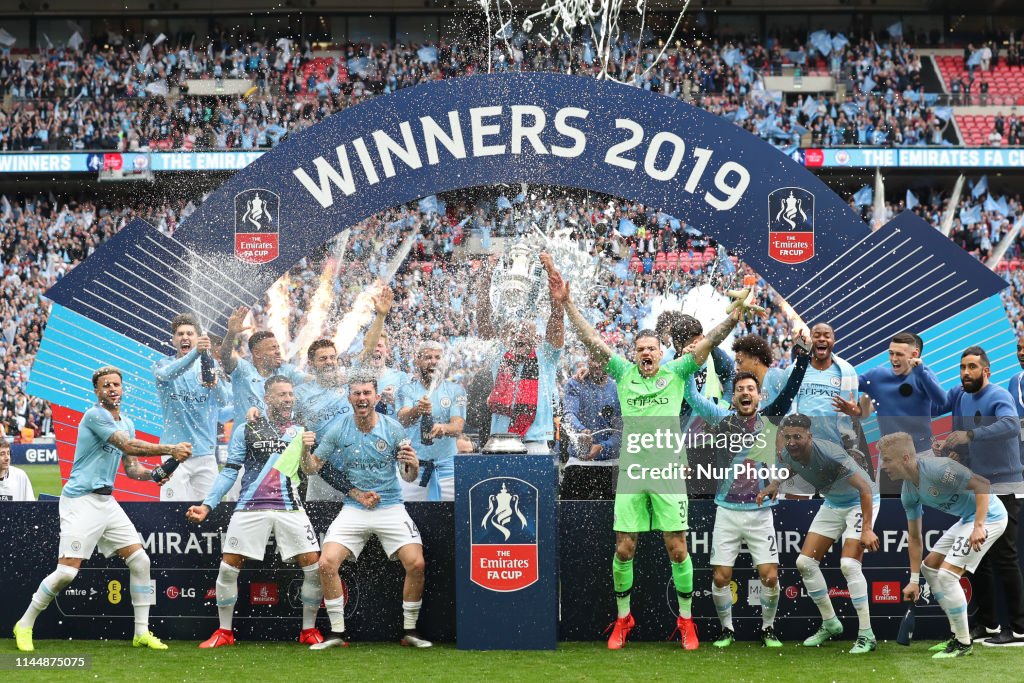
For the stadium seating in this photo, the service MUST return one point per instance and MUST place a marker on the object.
(1002, 79)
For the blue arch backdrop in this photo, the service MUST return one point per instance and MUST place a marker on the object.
(541, 129)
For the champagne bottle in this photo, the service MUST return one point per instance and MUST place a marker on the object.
(206, 367)
(426, 425)
(164, 469)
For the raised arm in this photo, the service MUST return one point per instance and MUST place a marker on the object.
(555, 331)
(236, 322)
(588, 335)
(485, 327)
(740, 306)
(712, 412)
(725, 368)
(382, 306)
(782, 403)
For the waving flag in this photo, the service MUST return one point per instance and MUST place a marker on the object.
(821, 42)
(864, 196)
(980, 188)
(911, 200)
(970, 215)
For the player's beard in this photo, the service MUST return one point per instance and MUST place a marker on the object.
(971, 386)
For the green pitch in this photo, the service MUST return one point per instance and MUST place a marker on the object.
(268, 662)
(44, 478)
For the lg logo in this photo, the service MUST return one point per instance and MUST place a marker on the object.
(173, 592)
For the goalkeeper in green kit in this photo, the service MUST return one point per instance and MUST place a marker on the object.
(651, 491)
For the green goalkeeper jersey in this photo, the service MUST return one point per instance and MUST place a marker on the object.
(658, 396)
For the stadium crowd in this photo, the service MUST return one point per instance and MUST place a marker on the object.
(97, 96)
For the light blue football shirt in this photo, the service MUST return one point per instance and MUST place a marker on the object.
(96, 460)
(368, 459)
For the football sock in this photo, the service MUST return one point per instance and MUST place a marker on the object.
(954, 603)
(682, 577)
(48, 589)
(141, 589)
(814, 582)
(227, 594)
(722, 597)
(310, 594)
(622, 580)
(858, 586)
(336, 613)
(411, 614)
(769, 604)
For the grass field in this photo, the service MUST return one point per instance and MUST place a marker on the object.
(269, 662)
(44, 478)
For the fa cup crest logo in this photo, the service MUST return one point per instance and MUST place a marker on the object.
(503, 514)
(501, 507)
(791, 224)
(257, 225)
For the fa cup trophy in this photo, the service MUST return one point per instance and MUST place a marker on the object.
(517, 285)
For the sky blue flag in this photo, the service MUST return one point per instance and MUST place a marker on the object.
(810, 106)
(868, 84)
(839, 42)
(503, 203)
(746, 73)
(725, 263)
(981, 188)
(911, 200)
(732, 57)
(851, 109)
(621, 269)
(821, 42)
(1004, 208)
(627, 228)
(974, 59)
(990, 204)
(796, 56)
(427, 54)
(673, 223)
(970, 215)
(895, 30)
(428, 204)
(864, 196)
(741, 113)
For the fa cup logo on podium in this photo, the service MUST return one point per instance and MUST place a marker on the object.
(500, 509)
